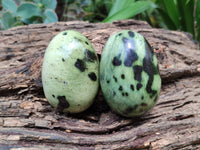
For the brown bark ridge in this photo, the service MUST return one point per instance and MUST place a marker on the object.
(28, 122)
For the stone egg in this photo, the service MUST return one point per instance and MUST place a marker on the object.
(70, 72)
(129, 74)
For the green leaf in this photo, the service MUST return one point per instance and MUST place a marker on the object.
(52, 4)
(187, 19)
(198, 11)
(187, 1)
(33, 20)
(119, 5)
(45, 2)
(37, 1)
(28, 9)
(50, 16)
(9, 5)
(18, 23)
(130, 11)
(108, 5)
(7, 19)
(198, 20)
(166, 19)
(172, 10)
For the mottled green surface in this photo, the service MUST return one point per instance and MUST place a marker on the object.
(129, 74)
(70, 72)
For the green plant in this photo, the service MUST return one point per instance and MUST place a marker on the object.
(97, 10)
(16, 12)
(124, 9)
(74, 10)
(105, 10)
(90, 10)
(181, 15)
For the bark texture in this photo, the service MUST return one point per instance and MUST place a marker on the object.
(28, 122)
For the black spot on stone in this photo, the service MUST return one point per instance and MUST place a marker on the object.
(149, 67)
(80, 64)
(137, 73)
(120, 88)
(63, 59)
(131, 33)
(53, 96)
(115, 78)
(114, 93)
(120, 34)
(132, 87)
(90, 56)
(62, 103)
(123, 94)
(92, 76)
(86, 43)
(126, 94)
(139, 85)
(153, 92)
(128, 110)
(65, 33)
(142, 97)
(108, 81)
(64, 82)
(131, 56)
(123, 76)
(144, 105)
(116, 61)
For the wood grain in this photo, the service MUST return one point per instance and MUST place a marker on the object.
(28, 122)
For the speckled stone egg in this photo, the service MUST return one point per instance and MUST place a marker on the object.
(129, 74)
(70, 72)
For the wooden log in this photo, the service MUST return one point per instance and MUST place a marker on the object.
(27, 121)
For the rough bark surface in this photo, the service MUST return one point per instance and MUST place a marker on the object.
(28, 122)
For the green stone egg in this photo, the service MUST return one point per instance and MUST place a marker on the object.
(129, 74)
(70, 72)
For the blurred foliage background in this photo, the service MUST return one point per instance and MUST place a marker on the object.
(183, 15)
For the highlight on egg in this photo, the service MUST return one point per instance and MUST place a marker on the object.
(129, 74)
(70, 72)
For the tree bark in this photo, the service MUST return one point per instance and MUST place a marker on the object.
(27, 121)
